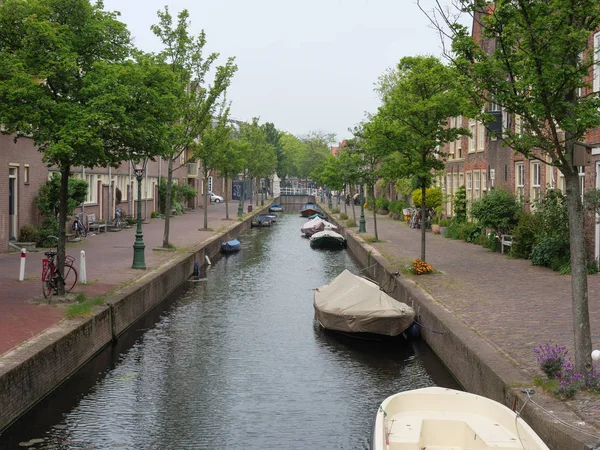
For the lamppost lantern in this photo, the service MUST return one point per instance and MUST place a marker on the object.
(139, 261)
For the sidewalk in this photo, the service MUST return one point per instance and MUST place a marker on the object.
(25, 313)
(510, 303)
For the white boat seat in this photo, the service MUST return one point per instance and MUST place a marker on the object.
(452, 432)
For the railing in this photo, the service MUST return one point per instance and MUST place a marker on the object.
(297, 191)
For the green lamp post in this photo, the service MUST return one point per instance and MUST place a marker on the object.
(329, 204)
(362, 224)
(139, 261)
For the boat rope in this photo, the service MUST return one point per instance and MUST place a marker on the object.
(427, 328)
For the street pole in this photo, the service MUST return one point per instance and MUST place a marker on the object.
(139, 261)
(329, 200)
(362, 224)
(241, 202)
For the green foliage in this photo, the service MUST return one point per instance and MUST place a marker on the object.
(433, 197)
(552, 244)
(48, 197)
(396, 207)
(343, 216)
(466, 231)
(497, 210)
(491, 241)
(460, 205)
(29, 233)
(382, 203)
(524, 234)
(351, 223)
(186, 192)
(153, 215)
(445, 222)
(592, 201)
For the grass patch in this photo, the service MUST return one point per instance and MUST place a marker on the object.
(335, 211)
(371, 239)
(83, 306)
(343, 216)
(546, 385)
(351, 223)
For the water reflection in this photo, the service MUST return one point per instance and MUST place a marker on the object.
(236, 362)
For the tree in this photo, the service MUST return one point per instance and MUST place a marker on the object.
(316, 149)
(292, 151)
(209, 147)
(329, 173)
(184, 53)
(229, 162)
(350, 166)
(538, 70)
(49, 52)
(273, 136)
(412, 120)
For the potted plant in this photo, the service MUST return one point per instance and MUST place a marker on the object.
(435, 223)
(444, 224)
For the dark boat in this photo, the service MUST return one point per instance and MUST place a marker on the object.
(308, 209)
(261, 221)
(328, 239)
(275, 208)
(231, 246)
(271, 216)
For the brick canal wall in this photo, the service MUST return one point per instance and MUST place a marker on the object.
(32, 370)
(473, 362)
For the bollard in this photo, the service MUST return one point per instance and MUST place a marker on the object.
(22, 268)
(596, 355)
(207, 260)
(82, 274)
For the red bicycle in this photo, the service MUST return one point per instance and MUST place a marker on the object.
(51, 276)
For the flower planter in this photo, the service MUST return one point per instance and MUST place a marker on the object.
(443, 231)
(435, 228)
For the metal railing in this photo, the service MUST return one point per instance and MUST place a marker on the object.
(297, 191)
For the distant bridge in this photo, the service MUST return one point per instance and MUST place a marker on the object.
(297, 191)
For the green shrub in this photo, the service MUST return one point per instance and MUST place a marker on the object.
(491, 241)
(454, 230)
(445, 222)
(496, 210)
(370, 203)
(550, 252)
(396, 207)
(382, 203)
(433, 197)
(153, 215)
(29, 233)
(350, 223)
(343, 216)
(551, 247)
(460, 205)
(524, 235)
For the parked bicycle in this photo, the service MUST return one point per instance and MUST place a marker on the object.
(51, 276)
(118, 222)
(78, 227)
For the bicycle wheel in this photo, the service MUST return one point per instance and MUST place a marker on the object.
(48, 285)
(70, 277)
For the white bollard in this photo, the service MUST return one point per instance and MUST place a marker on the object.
(596, 355)
(82, 274)
(207, 260)
(22, 269)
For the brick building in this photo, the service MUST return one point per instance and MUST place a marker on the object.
(482, 162)
(27, 172)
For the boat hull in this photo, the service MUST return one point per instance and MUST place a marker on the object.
(437, 417)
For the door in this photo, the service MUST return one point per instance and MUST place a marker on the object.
(12, 204)
(597, 234)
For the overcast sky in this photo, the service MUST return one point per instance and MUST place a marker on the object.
(303, 65)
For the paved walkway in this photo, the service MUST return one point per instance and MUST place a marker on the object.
(25, 313)
(512, 304)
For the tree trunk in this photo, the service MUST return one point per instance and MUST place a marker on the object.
(346, 204)
(581, 315)
(374, 213)
(226, 199)
(65, 171)
(168, 204)
(206, 200)
(423, 221)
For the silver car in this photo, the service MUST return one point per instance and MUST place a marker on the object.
(214, 198)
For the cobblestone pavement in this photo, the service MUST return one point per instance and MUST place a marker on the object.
(512, 304)
(24, 312)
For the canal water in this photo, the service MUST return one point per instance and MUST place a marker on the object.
(234, 360)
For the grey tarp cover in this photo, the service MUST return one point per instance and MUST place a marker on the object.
(353, 304)
(316, 224)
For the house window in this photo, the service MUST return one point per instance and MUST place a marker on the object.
(461, 179)
(484, 181)
(473, 137)
(182, 158)
(469, 187)
(26, 174)
(518, 124)
(476, 176)
(455, 182)
(92, 191)
(562, 185)
(449, 184)
(520, 180)
(597, 62)
(480, 137)
(535, 180)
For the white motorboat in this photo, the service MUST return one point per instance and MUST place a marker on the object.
(355, 305)
(315, 225)
(438, 418)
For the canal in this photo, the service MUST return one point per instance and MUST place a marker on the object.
(234, 361)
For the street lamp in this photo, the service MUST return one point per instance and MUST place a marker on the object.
(329, 199)
(139, 262)
(241, 199)
(362, 224)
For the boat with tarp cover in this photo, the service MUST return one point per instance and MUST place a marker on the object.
(354, 305)
(315, 225)
(231, 246)
(328, 239)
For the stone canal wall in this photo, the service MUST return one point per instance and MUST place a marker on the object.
(475, 364)
(32, 370)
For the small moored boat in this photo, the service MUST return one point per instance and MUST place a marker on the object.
(308, 209)
(440, 418)
(315, 225)
(317, 215)
(355, 305)
(275, 208)
(261, 221)
(231, 246)
(328, 239)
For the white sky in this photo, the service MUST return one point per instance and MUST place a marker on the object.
(303, 65)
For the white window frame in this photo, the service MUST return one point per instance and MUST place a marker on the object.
(461, 179)
(473, 137)
(561, 185)
(520, 179)
(477, 184)
(92, 191)
(518, 124)
(535, 175)
(455, 182)
(480, 136)
(469, 187)
(484, 181)
(596, 69)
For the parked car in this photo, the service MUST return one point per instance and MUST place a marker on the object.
(214, 198)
